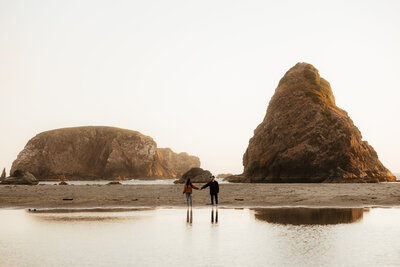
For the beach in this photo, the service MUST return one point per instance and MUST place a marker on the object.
(231, 195)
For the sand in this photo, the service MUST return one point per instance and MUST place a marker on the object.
(231, 195)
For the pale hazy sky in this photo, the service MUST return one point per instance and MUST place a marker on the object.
(196, 76)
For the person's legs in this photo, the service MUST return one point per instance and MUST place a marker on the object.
(214, 196)
(188, 198)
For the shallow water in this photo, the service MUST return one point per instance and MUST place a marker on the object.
(203, 237)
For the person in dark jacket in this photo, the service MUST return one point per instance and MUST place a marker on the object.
(214, 190)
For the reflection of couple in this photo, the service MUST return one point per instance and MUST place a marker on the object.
(214, 190)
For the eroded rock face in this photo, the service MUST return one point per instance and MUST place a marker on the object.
(305, 137)
(92, 153)
(178, 163)
(196, 175)
(3, 174)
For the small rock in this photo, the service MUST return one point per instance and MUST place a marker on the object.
(114, 183)
(196, 175)
(20, 178)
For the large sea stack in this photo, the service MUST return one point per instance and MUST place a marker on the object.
(305, 137)
(178, 164)
(96, 152)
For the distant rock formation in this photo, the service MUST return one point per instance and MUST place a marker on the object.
(95, 152)
(196, 175)
(3, 174)
(224, 175)
(305, 137)
(178, 164)
(237, 179)
(20, 178)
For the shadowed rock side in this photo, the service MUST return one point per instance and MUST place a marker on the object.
(178, 164)
(305, 137)
(92, 152)
(196, 175)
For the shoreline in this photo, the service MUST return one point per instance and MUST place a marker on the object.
(170, 196)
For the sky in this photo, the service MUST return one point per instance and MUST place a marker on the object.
(196, 76)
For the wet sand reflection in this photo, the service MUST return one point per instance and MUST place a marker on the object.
(214, 215)
(309, 216)
(86, 214)
(189, 215)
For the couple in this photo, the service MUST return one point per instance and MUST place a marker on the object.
(214, 190)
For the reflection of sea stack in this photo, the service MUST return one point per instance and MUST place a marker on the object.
(98, 152)
(305, 137)
(299, 216)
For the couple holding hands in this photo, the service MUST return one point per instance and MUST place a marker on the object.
(214, 190)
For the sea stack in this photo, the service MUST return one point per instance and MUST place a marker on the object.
(305, 137)
(97, 152)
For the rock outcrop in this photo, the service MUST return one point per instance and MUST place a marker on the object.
(224, 175)
(178, 164)
(20, 178)
(237, 179)
(196, 175)
(93, 152)
(3, 174)
(305, 137)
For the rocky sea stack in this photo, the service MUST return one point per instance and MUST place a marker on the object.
(96, 152)
(305, 137)
(196, 175)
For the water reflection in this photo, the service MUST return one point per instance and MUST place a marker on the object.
(309, 216)
(189, 215)
(85, 215)
(214, 215)
(155, 237)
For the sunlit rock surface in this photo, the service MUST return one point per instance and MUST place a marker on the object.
(178, 164)
(94, 152)
(305, 137)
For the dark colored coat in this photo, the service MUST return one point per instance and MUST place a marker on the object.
(214, 187)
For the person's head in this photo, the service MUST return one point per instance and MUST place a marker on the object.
(188, 182)
(212, 177)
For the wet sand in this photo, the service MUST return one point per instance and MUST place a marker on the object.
(231, 195)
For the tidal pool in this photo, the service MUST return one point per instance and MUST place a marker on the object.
(201, 237)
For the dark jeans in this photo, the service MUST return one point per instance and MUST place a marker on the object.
(212, 199)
